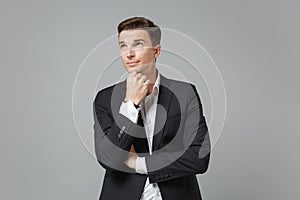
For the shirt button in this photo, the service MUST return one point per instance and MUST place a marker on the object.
(119, 135)
(123, 128)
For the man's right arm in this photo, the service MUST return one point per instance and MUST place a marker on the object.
(114, 131)
(113, 134)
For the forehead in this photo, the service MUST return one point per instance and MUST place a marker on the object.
(135, 34)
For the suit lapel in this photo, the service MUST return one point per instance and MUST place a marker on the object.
(163, 102)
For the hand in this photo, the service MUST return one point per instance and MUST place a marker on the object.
(131, 160)
(137, 87)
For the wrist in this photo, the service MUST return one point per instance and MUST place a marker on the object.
(135, 105)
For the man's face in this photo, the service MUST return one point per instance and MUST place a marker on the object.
(137, 51)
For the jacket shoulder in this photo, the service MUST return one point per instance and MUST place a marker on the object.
(182, 86)
(107, 91)
(180, 83)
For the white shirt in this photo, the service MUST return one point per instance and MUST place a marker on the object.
(148, 112)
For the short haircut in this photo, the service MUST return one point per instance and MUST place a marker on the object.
(142, 23)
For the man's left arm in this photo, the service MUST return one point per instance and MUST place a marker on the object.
(194, 157)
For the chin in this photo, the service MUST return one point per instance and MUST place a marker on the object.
(131, 69)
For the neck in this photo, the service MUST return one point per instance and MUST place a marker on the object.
(152, 77)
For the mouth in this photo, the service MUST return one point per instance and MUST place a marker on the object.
(132, 63)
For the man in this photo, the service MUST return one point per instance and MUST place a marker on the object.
(150, 132)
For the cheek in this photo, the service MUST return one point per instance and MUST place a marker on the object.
(147, 57)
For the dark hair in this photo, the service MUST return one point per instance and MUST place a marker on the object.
(142, 23)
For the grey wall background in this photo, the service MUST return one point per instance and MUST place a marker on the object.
(254, 43)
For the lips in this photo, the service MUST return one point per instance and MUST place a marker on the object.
(132, 63)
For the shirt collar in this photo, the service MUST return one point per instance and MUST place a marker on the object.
(155, 89)
(157, 82)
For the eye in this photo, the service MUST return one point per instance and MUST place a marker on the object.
(139, 45)
(123, 46)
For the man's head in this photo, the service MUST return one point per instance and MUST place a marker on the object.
(139, 42)
(142, 23)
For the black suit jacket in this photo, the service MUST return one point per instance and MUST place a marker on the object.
(181, 146)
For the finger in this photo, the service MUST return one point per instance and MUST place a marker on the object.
(147, 82)
(138, 76)
(142, 79)
(132, 150)
(146, 85)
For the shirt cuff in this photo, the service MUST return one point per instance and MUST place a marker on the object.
(140, 165)
(130, 111)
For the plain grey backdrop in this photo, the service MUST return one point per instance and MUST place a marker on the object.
(254, 43)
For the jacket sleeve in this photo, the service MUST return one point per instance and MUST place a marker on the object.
(113, 134)
(193, 158)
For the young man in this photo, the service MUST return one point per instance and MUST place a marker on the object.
(150, 132)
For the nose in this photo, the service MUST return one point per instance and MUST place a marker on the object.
(130, 53)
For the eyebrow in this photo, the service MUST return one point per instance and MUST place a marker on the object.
(137, 40)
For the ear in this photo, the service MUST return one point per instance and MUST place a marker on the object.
(157, 51)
